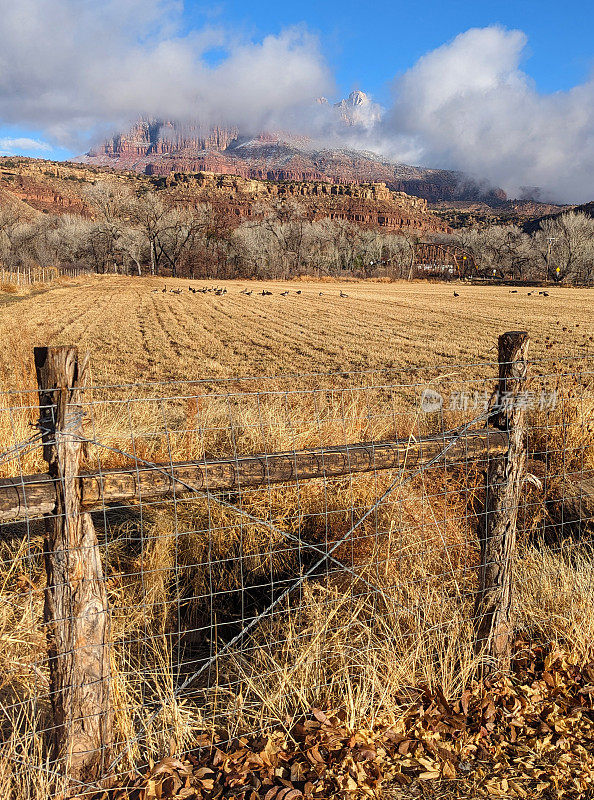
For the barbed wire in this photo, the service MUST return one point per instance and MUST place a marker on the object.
(72, 422)
(21, 448)
(451, 368)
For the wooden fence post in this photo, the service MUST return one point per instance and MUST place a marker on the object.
(76, 612)
(493, 606)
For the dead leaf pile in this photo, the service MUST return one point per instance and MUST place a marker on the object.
(526, 735)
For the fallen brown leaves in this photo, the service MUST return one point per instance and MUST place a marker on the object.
(526, 735)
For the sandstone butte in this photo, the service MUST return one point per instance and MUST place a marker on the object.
(156, 147)
(52, 187)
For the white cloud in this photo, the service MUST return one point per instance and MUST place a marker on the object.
(73, 66)
(467, 105)
(76, 68)
(13, 146)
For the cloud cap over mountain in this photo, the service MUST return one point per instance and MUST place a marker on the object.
(69, 67)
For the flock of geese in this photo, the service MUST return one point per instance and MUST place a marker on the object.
(194, 290)
(515, 291)
(512, 291)
(219, 292)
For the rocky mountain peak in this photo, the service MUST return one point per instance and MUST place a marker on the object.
(358, 98)
(157, 147)
(358, 109)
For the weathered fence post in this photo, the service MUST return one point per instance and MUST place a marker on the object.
(493, 607)
(76, 613)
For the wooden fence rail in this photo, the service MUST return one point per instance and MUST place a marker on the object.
(34, 495)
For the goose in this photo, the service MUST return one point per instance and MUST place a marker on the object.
(456, 293)
(342, 294)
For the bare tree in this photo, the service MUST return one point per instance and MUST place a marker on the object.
(566, 247)
(138, 232)
(111, 207)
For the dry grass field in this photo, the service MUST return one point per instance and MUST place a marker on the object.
(136, 334)
(336, 646)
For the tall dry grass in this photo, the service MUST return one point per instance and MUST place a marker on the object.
(183, 576)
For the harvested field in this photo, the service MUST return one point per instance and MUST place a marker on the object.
(134, 333)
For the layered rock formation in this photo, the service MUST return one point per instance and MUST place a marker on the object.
(44, 186)
(155, 147)
(152, 138)
(370, 205)
(41, 186)
(263, 159)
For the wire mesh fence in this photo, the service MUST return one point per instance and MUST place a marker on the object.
(258, 554)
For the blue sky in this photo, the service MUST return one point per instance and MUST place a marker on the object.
(503, 91)
(368, 43)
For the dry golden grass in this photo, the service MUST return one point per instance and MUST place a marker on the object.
(9, 288)
(136, 334)
(342, 645)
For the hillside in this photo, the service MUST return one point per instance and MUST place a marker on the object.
(461, 214)
(534, 224)
(62, 188)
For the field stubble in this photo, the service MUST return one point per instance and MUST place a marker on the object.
(134, 333)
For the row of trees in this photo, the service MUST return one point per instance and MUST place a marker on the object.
(145, 235)
(562, 249)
